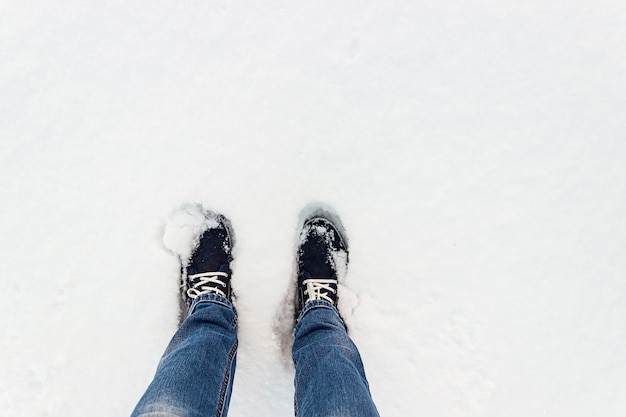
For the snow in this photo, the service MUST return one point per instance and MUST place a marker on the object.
(473, 149)
(184, 228)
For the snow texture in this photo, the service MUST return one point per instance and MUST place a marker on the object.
(184, 228)
(473, 149)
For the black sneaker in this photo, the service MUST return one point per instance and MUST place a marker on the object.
(322, 254)
(208, 270)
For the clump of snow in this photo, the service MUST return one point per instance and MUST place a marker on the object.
(347, 302)
(184, 227)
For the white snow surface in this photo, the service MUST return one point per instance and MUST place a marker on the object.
(475, 151)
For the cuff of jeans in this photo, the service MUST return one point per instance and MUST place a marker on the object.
(211, 298)
(317, 304)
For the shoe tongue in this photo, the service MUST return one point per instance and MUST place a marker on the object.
(210, 254)
(206, 263)
(319, 272)
(305, 275)
(193, 269)
(316, 256)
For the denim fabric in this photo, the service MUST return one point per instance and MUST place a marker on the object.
(195, 375)
(330, 379)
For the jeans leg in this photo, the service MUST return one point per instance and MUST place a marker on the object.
(195, 375)
(330, 379)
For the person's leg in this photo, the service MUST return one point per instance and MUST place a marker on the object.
(195, 375)
(330, 379)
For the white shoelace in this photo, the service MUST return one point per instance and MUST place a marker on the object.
(315, 286)
(201, 286)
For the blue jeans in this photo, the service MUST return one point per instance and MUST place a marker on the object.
(195, 375)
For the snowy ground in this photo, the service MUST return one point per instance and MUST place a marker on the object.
(474, 149)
